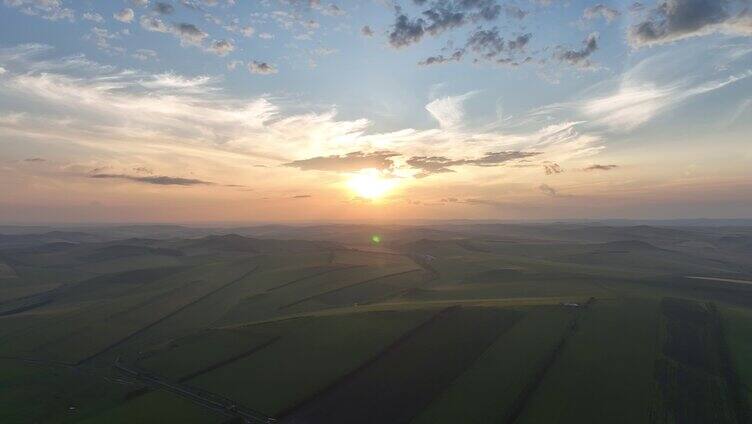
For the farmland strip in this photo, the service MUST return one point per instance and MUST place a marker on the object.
(228, 361)
(370, 280)
(25, 308)
(404, 378)
(733, 384)
(164, 318)
(400, 341)
(526, 394)
(320, 273)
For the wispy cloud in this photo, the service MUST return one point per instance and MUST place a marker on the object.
(171, 116)
(636, 101)
(52, 10)
(153, 179)
(548, 190)
(449, 111)
(92, 16)
(429, 165)
(353, 161)
(597, 167)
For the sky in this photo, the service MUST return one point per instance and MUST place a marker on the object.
(307, 110)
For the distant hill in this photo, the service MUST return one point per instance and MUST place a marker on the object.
(22, 240)
(237, 243)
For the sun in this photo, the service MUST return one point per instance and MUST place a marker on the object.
(370, 184)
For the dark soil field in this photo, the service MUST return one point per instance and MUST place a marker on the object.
(399, 382)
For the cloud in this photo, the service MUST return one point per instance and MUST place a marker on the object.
(34, 160)
(162, 109)
(302, 196)
(353, 161)
(438, 17)
(92, 16)
(366, 31)
(515, 12)
(449, 111)
(405, 31)
(324, 51)
(189, 33)
(153, 24)
(639, 98)
(179, 120)
(102, 38)
(519, 42)
(636, 7)
(597, 167)
(600, 11)
(579, 58)
(500, 158)
(52, 10)
(429, 165)
(299, 24)
(221, 47)
(330, 10)
(261, 68)
(155, 180)
(140, 3)
(630, 106)
(247, 31)
(125, 15)
(673, 20)
(144, 54)
(548, 190)
(163, 8)
(456, 56)
(487, 45)
(552, 168)
(172, 81)
(442, 17)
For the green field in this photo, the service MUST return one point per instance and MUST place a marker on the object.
(310, 355)
(605, 369)
(476, 324)
(487, 390)
(398, 383)
(738, 332)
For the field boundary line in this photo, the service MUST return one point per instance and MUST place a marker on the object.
(320, 273)
(229, 360)
(164, 318)
(368, 362)
(521, 401)
(208, 400)
(370, 280)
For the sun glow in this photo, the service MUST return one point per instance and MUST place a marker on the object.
(371, 184)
